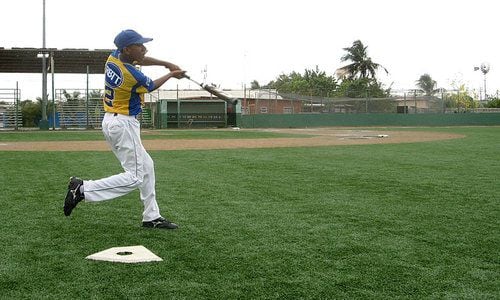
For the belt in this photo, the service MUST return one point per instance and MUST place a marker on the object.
(117, 114)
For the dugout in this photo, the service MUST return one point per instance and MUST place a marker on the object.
(184, 113)
(50, 60)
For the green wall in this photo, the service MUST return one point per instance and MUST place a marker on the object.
(318, 120)
(191, 114)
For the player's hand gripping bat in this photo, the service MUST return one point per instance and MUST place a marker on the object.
(214, 91)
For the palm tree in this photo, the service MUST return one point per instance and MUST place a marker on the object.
(74, 97)
(254, 85)
(362, 66)
(427, 84)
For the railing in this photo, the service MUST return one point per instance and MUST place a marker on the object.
(10, 114)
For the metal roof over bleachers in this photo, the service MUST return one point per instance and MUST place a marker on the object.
(29, 60)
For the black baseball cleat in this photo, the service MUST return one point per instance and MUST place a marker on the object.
(161, 223)
(73, 196)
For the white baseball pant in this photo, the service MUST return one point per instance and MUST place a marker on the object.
(123, 135)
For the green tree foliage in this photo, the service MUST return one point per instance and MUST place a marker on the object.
(359, 77)
(254, 85)
(96, 94)
(368, 95)
(461, 100)
(311, 83)
(361, 65)
(493, 103)
(361, 88)
(95, 97)
(427, 85)
(74, 98)
(31, 112)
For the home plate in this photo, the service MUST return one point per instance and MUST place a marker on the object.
(130, 255)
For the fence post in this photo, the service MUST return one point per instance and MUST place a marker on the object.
(442, 102)
(415, 98)
(276, 103)
(405, 108)
(87, 98)
(178, 108)
(366, 101)
(16, 100)
(53, 96)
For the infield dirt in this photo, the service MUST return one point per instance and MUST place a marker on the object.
(317, 137)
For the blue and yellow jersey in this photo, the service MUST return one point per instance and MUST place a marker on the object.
(125, 86)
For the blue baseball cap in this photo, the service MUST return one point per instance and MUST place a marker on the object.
(129, 37)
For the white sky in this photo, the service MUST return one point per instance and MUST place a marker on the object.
(241, 41)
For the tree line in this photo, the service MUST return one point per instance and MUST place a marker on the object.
(356, 79)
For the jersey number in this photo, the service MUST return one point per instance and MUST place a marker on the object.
(109, 96)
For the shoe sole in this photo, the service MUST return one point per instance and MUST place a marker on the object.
(68, 205)
(175, 226)
(70, 196)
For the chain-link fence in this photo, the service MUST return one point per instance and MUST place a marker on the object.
(403, 102)
(76, 109)
(79, 108)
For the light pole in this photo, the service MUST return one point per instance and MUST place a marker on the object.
(44, 123)
(485, 68)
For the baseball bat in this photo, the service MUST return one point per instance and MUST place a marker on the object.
(212, 90)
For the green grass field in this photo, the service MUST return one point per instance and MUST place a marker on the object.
(407, 221)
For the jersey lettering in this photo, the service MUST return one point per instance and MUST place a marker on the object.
(125, 86)
(114, 76)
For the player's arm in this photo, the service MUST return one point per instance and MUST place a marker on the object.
(173, 74)
(151, 61)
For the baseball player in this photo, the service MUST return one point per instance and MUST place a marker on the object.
(125, 87)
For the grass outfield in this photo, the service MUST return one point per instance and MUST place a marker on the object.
(373, 221)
